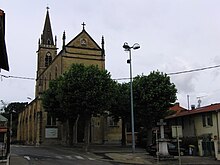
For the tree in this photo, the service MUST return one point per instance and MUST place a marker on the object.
(121, 107)
(12, 110)
(51, 100)
(82, 91)
(153, 96)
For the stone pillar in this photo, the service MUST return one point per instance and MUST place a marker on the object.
(163, 149)
(200, 147)
(216, 148)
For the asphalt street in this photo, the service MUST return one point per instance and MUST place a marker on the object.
(96, 155)
(31, 155)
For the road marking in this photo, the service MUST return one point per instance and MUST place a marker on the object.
(91, 159)
(69, 157)
(59, 157)
(27, 157)
(22, 146)
(79, 157)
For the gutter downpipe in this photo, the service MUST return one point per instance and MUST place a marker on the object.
(217, 122)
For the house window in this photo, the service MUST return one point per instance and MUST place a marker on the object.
(207, 119)
(182, 122)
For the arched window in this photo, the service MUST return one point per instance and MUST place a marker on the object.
(48, 42)
(45, 83)
(55, 72)
(41, 81)
(50, 77)
(48, 59)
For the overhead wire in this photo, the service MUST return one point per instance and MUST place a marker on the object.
(169, 74)
(194, 70)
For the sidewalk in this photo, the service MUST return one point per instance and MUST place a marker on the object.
(120, 154)
(124, 155)
(14, 159)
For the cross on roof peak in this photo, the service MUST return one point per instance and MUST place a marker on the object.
(47, 7)
(83, 24)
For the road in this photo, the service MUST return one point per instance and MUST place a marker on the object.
(31, 155)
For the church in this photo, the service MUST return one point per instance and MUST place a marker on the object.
(35, 125)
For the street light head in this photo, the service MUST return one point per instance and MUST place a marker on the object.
(126, 46)
(136, 46)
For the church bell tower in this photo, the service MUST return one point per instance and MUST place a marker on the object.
(47, 51)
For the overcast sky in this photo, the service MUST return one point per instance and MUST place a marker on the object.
(174, 35)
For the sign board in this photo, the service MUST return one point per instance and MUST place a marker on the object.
(177, 131)
(51, 133)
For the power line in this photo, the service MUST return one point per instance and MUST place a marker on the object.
(194, 70)
(183, 72)
(17, 77)
(170, 74)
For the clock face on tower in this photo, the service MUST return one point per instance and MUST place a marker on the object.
(83, 41)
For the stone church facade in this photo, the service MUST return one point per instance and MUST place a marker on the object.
(35, 126)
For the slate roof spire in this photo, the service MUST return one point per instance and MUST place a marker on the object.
(47, 36)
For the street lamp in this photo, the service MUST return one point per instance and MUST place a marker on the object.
(128, 48)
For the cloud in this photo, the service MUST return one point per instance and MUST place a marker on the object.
(185, 83)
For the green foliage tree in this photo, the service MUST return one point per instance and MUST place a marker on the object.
(121, 107)
(153, 96)
(82, 91)
(52, 100)
(12, 110)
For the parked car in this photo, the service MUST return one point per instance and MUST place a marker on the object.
(172, 149)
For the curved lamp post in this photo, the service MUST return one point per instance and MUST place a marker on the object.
(128, 48)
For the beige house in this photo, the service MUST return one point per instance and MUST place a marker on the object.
(202, 123)
(35, 126)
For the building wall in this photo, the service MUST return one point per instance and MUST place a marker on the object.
(201, 130)
(103, 132)
(193, 125)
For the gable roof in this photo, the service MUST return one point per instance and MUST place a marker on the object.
(209, 108)
(74, 42)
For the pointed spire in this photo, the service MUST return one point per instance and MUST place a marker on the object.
(47, 36)
(103, 46)
(55, 40)
(64, 39)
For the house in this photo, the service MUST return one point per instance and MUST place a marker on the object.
(202, 123)
(35, 125)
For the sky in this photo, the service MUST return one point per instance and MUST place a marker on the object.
(174, 36)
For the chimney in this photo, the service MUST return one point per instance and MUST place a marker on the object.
(193, 107)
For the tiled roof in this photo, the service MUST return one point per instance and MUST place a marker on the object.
(209, 108)
(177, 108)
